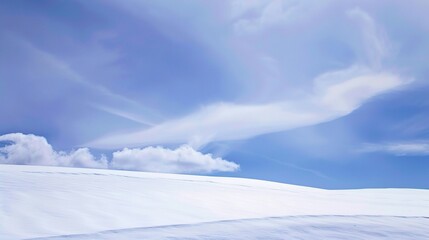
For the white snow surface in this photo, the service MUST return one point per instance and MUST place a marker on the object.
(73, 203)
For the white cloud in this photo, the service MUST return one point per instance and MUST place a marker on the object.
(35, 150)
(181, 160)
(335, 95)
(347, 89)
(253, 16)
(376, 44)
(26, 149)
(81, 157)
(29, 149)
(400, 149)
(124, 114)
(113, 103)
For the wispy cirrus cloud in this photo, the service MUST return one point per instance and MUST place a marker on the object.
(254, 16)
(330, 95)
(417, 148)
(376, 45)
(227, 121)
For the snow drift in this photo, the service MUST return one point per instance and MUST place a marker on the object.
(42, 201)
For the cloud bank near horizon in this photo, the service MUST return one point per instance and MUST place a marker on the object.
(29, 149)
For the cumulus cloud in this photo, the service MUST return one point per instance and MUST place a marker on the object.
(28, 149)
(400, 149)
(181, 160)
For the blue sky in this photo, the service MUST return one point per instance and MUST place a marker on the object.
(329, 94)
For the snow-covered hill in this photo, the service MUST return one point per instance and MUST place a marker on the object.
(38, 202)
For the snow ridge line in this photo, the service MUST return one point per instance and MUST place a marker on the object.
(225, 221)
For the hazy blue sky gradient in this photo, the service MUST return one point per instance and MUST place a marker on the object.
(330, 94)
